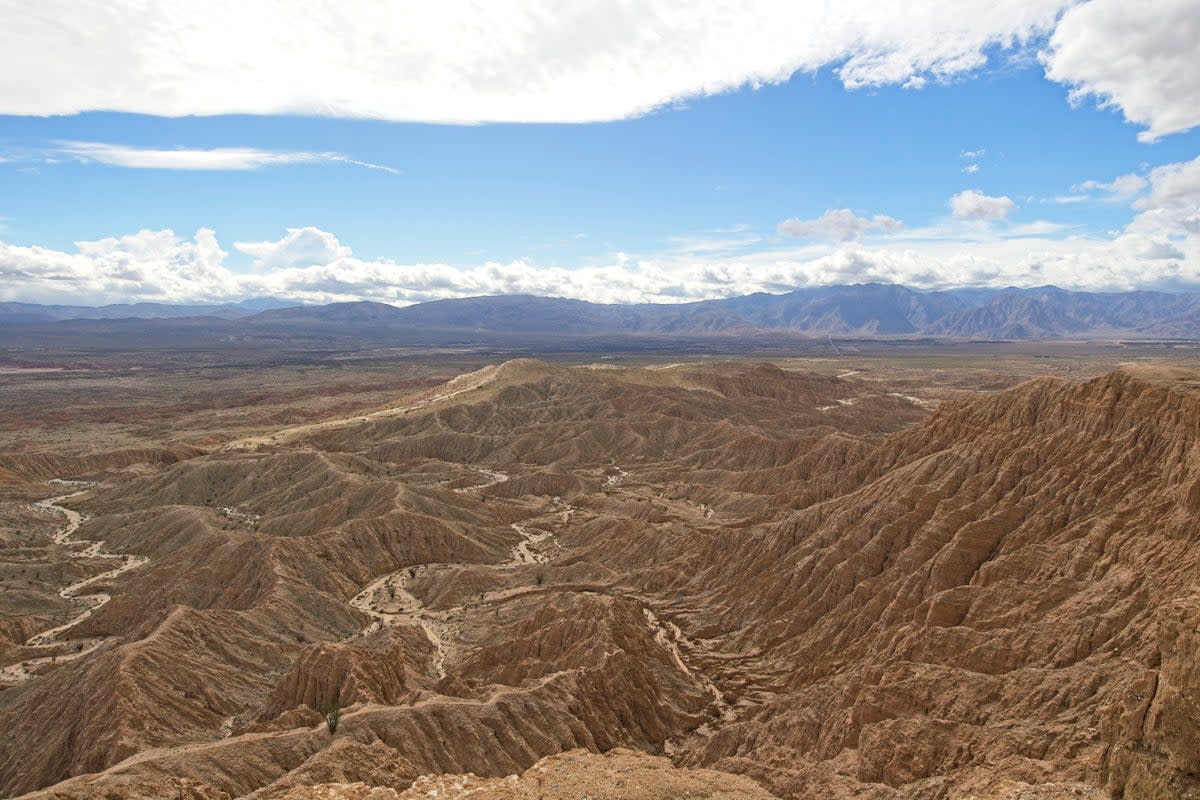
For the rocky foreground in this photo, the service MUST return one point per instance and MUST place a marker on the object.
(702, 582)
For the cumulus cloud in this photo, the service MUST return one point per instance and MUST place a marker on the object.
(1173, 186)
(301, 247)
(148, 265)
(1170, 206)
(840, 225)
(1158, 250)
(1138, 57)
(973, 204)
(1159, 247)
(1155, 249)
(220, 158)
(463, 61)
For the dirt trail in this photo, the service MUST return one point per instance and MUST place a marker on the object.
(397, 604)
(671, 638)
(917, 401)
(493, 476)
(521, 554)
(452, 388)
(388, 600)
(23, 670)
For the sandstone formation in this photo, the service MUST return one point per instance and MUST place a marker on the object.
(785, 584)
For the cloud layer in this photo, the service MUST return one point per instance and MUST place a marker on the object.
(1158, 248)
(541, 61)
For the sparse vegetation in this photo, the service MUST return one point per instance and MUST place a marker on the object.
(333, 716)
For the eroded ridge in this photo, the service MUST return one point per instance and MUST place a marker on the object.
(93, 602)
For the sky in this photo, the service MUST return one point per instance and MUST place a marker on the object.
(608, 150)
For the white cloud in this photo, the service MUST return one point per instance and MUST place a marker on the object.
(972, 156)
(840, 225)
(1120, 188)
(1153, 251)
(1158, 250)
(301, 247)
(464, 61)
(149, 265)
(716, 241)
(221, 158)
(1067, 199)
(1159, 247)
(1174, 186)
(973, 204)
(1137, 56)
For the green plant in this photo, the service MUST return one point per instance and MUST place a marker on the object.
(333, 715)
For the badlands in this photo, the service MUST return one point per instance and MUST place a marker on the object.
(613, 580)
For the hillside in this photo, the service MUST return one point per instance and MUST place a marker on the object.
(814, 583)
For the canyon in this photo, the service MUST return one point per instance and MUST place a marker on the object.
(610, 578)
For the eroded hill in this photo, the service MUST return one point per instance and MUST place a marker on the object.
(812, 582)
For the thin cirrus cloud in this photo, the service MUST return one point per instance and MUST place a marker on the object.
(217, 158)
(973, 158)
(461, 61)
(1122, 187)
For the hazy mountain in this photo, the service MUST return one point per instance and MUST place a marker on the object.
(522, 313)
(871, 308)
(857, 310)
(18, 313)
(1049, 312)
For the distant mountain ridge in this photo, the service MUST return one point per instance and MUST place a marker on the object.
(871, 309)
(16, 313)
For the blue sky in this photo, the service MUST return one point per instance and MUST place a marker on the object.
(686, 200)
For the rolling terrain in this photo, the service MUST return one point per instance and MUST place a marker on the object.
(705, 579)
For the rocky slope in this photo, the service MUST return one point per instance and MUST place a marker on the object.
(812, 583)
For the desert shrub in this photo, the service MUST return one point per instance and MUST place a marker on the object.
(333, 715)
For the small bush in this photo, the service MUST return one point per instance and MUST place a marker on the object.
(333, 715)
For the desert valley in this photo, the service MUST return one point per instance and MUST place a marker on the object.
(957, 571)
(606, 400)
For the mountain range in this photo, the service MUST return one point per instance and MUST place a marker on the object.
(875, 310)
